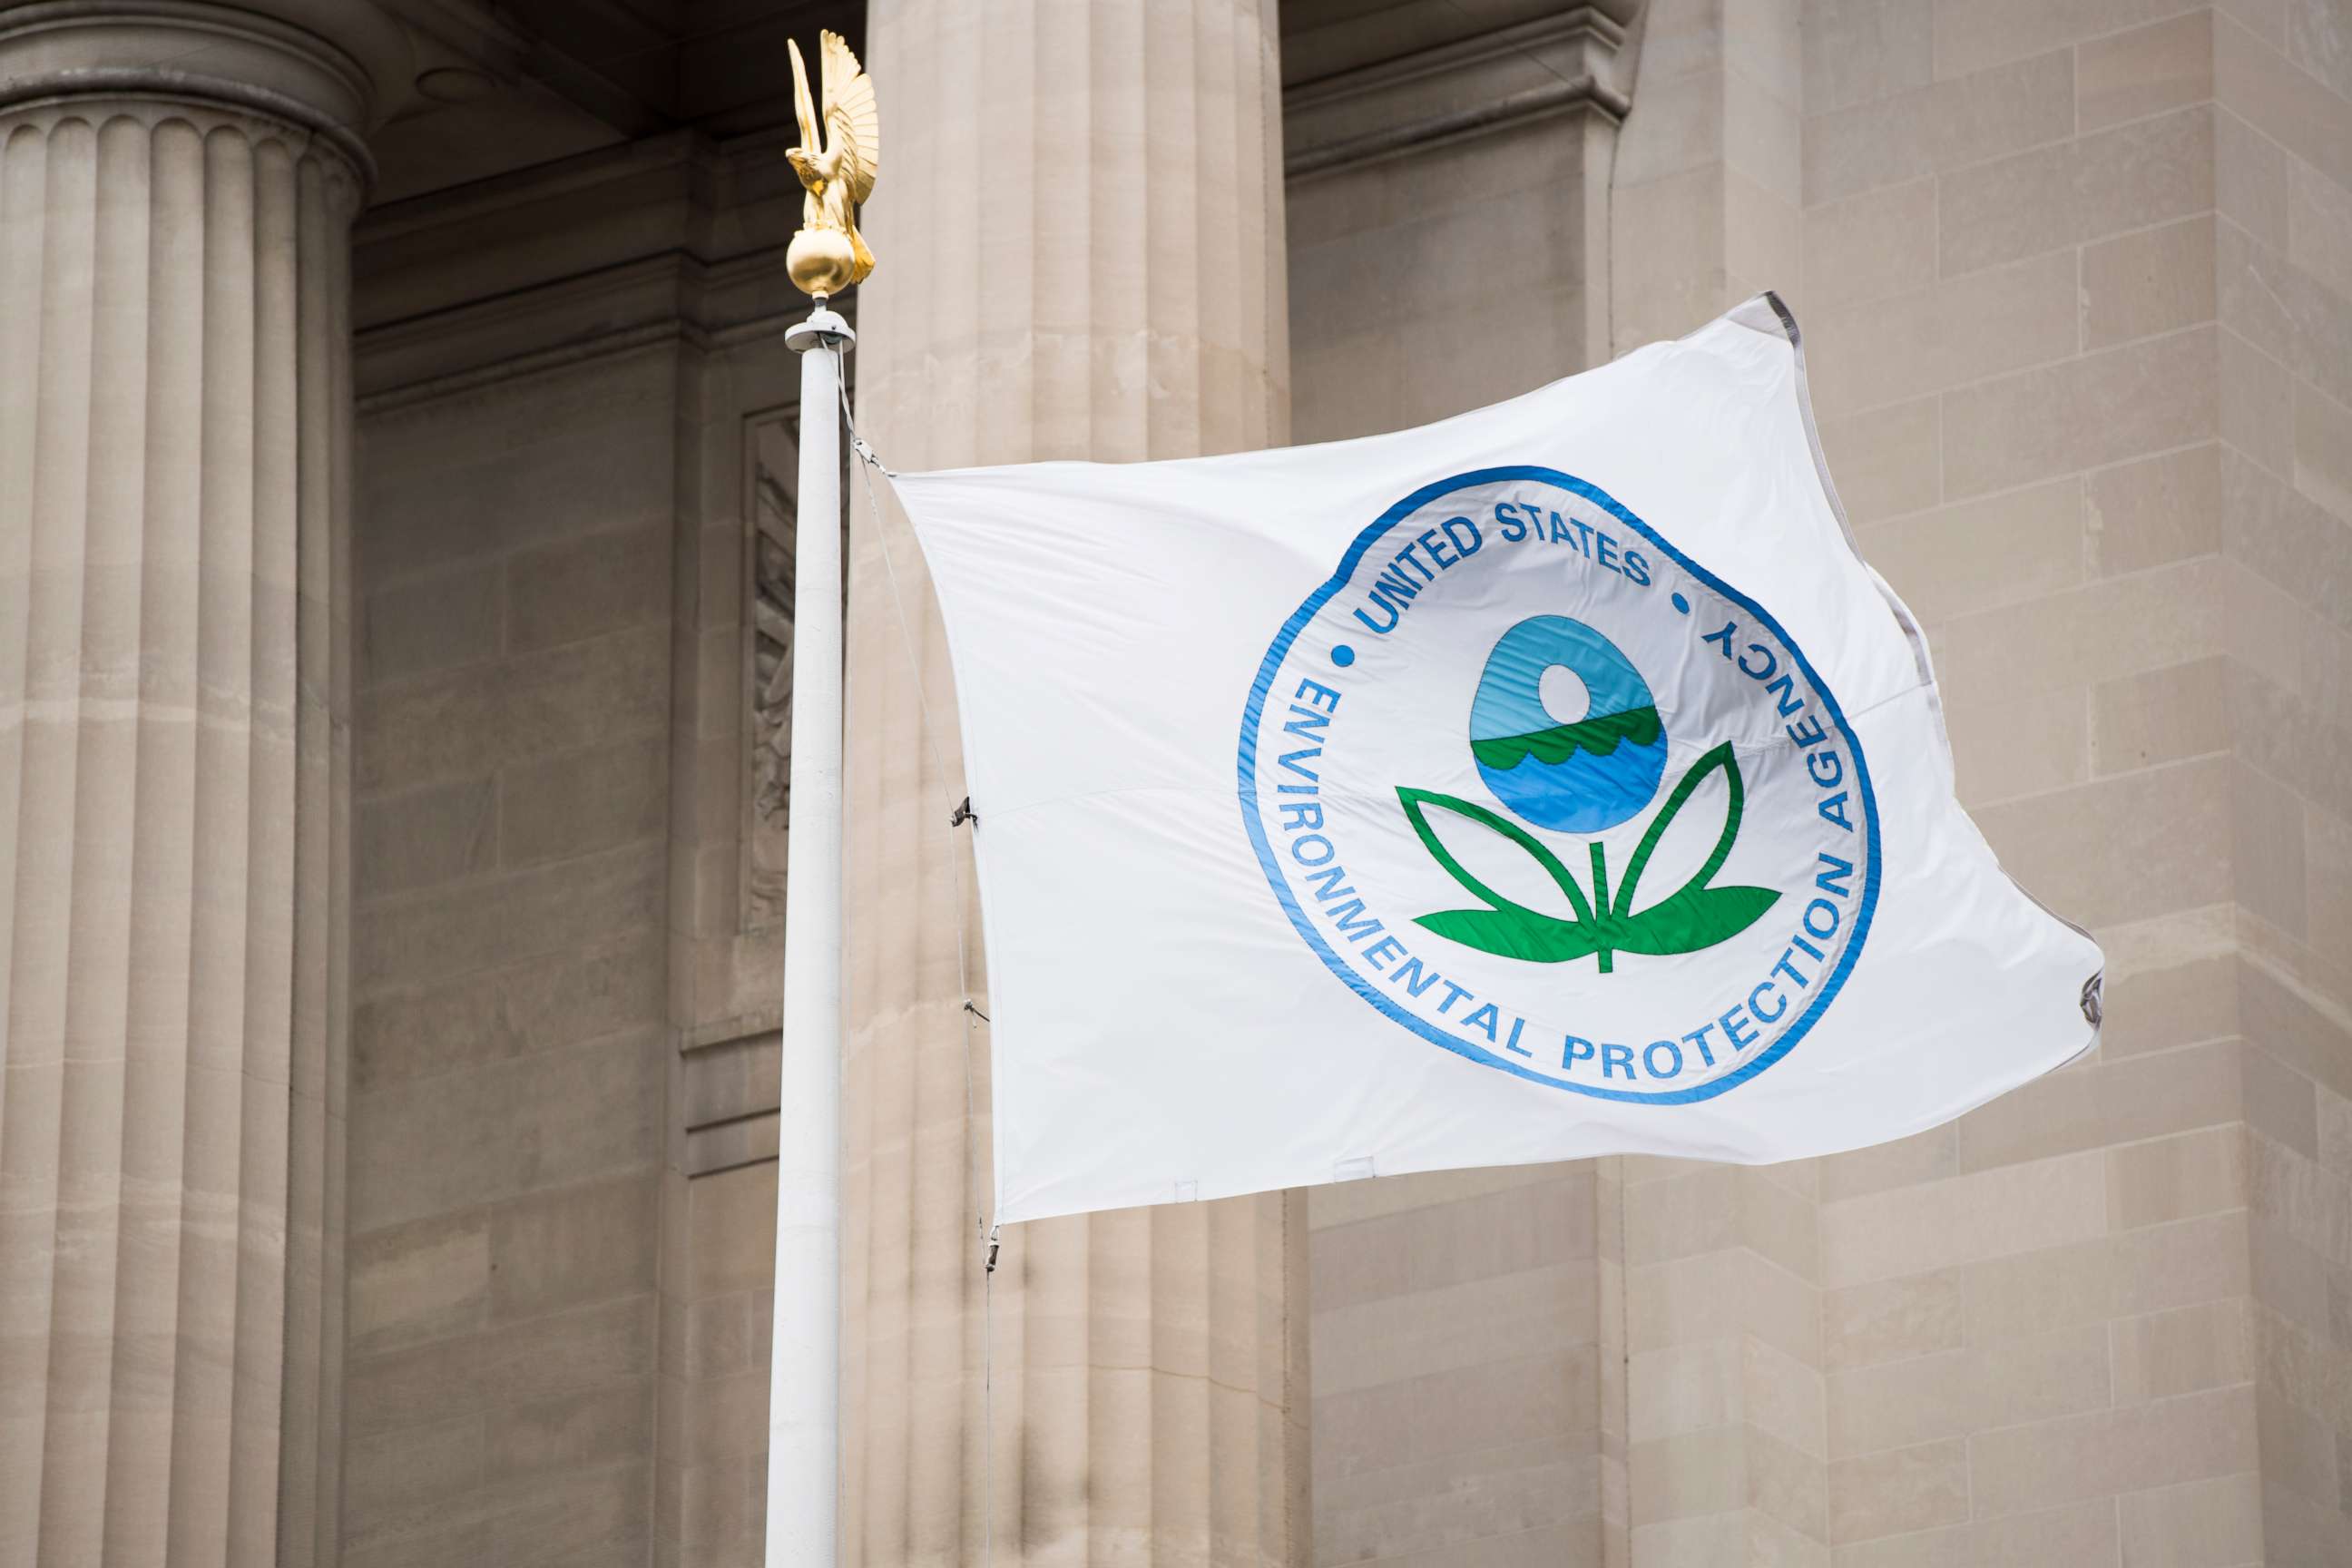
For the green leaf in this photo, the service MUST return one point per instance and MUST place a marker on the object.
(1513, 933)
(1598, 736)
(1720, 758)
(1693, 918)
(1506, 928)
(1416, 805)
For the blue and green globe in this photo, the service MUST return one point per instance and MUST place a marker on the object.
(1584, 774)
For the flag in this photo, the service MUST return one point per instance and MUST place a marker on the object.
(1553, 781)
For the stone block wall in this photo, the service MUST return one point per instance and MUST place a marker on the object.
(2283, 89)
(1720, 1303)
(563, 1072)
(1447, 209)
(1392, 325)
(2078, 323)
(1456, 1367)
(2074, 378)
(509, 967)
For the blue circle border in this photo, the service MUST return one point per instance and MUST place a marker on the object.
(1246, 773)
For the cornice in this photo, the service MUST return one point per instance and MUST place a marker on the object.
(1519, 42)
(514, 233)
(1455, 90)
(671, 239)
(460, 204)
(672, 297)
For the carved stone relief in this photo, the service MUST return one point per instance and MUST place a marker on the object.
(775, 470)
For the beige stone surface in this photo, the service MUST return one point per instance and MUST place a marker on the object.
(1888, 461)
(2144, 679)
(508, 1098)
(2289, 304)
(1945, 335)
(2147, 282)
(1981, 554)
(1920, 129)
(173, 523)
(1376, 347)
(2154, 509)
(1429, 1438)
(1970, 37)
(1871, 246)
(2144, 70)
(1394, 163)
(2085, 413)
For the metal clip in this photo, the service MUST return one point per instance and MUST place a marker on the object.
(992, 1245)
(963, 814)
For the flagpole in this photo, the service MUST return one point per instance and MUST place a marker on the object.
(804, 1365)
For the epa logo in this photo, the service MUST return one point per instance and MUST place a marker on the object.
(1546, 793)
(1582, 775)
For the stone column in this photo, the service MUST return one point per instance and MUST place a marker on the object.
(1081, 256)
(175, 185)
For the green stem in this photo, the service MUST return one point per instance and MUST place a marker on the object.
(1600, 899)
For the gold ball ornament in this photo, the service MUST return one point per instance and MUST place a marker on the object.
(821, 262)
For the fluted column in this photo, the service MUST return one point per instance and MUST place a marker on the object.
(1081, 256)
(175, 187)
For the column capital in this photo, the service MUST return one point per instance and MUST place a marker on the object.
(328, 66)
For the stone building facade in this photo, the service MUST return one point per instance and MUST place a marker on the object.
(396, 483)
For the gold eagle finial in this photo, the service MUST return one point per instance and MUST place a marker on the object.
(828, 253)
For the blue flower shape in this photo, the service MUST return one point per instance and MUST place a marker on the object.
(1584, 775)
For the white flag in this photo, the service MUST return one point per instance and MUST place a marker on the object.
(1553, 781)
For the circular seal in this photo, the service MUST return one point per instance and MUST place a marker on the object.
(1547, 792)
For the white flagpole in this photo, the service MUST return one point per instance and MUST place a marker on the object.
(804, 1367)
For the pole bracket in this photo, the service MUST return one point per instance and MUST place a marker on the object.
(963, 814)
